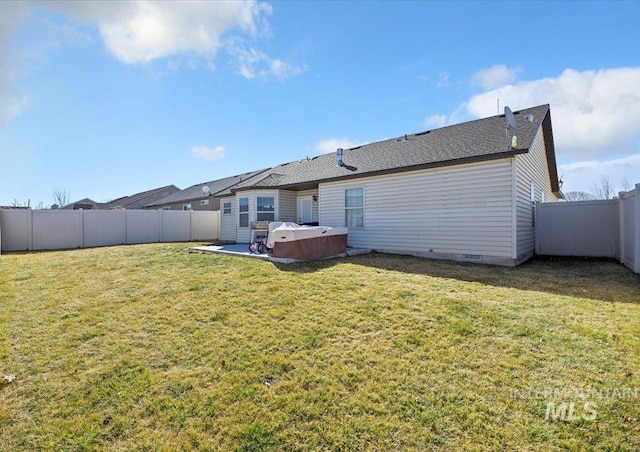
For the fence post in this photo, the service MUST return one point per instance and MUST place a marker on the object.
(82, 228)
(636, 262)
(621, 235)
(191, 225)
(30, 229)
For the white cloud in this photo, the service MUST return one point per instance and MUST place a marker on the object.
(186, 33)
(444, 80)
(435, 121)
(144, 30)
(12, 103)
(595, 113)
(596, 121)
(581, 176)
(209, 154)
(254, 64)
(331, 144)
(495, 76)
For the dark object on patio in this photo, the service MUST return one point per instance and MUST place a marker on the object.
(290, 240)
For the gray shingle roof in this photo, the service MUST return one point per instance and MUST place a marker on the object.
(139, 200)
(482, 139)
(195, 191)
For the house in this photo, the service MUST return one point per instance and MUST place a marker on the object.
(462, 192)
(195, 198)
(84, 204)
(136, 201)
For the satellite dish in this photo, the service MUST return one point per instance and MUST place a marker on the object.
(205, 190)
(510, 118)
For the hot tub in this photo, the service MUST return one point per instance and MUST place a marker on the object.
(293, 241)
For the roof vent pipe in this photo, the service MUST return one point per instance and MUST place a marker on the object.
(339, 161)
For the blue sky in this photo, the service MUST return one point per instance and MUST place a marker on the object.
(108, 99)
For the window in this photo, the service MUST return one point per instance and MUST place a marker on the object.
(186, 207)
(243, 216)
(354, 208)
(533, 204)
(266, 208)
(166, 208)
(533, 192)
(204, 202)
(226, 208)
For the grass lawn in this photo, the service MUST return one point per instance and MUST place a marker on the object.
(153, 347)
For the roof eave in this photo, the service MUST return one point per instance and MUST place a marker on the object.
(547, 132)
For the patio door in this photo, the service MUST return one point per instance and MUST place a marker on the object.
(305, 209)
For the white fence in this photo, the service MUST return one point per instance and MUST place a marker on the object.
(22, 230)
(608, 228)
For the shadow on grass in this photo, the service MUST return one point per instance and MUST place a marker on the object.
(597, 279)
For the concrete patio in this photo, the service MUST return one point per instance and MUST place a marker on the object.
(242, 250)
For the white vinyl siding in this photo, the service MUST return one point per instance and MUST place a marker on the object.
(532, 175)
(287, 205)
(228, 221)
(462, 209)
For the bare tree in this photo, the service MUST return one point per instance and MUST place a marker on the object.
(21, 205)
(604, 190)
(578, 196)
(626, 185)
(61, 197)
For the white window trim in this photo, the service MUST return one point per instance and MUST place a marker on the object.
(204, 202)
(224, 207)
(247, 213)
(187, 207)
(275, 207)
(344, 194)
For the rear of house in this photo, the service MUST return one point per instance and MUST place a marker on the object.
(460, 192)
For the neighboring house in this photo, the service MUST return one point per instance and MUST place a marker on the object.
(136, 201)
(461, 192)
(194, 198)
(84, 204)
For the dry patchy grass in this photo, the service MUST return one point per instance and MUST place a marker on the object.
(153, 347)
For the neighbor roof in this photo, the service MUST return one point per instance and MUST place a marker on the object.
(479, 140)
(195, 191)
(84, 203)
(139, 200)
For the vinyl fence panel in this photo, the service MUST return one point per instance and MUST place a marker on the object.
(630, 225)
(205, 225)
(15, 227)
(144, 226)
(27, 229)
(580, 228)
(104, 227)
(608, 228)
(176, 227)
(57, 229)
